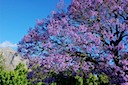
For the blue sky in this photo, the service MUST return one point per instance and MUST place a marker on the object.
(17, 16)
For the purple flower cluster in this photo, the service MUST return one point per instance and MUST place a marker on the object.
(91, 36)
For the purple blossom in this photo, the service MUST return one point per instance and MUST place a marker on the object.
(98, 28)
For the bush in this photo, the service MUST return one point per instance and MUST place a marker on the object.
(16, 77)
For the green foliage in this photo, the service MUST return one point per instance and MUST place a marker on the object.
(65, 78)
(16, 77)
(80, 80)
(53, 84)
(61, 79)
(40, 83)
(92, 80)
(102, 79)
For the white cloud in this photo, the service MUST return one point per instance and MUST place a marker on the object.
(7, 44)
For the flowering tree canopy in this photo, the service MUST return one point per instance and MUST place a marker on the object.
(91, 36)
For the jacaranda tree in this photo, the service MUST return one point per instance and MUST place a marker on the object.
(91, 36)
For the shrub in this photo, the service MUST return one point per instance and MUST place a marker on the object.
(16, 77)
